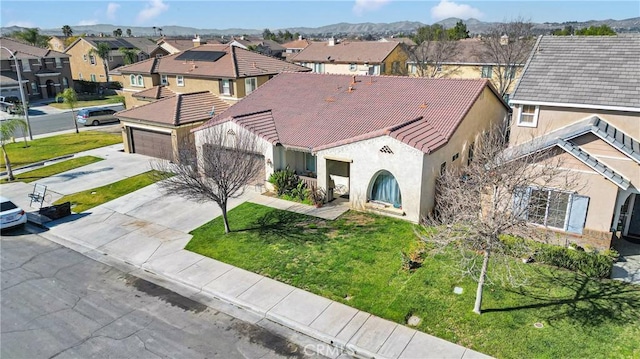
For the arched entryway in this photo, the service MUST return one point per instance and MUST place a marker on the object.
(385, 189)
(51, 89)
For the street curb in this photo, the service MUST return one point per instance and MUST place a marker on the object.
(38, 164)
(125, 266)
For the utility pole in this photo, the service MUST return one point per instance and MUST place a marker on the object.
(25, 107)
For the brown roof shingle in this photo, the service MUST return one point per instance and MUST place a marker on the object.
(156, 93)
(317, 111)
(26, 51)
(178, 109)
(234, 63)
(346, 52)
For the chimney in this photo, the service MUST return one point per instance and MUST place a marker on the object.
(332, 41)
(196, 41)
(504, 40)
(353, 81)
(242, 37)
(299, 37)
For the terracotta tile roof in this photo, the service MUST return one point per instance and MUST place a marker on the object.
(26, 51)
(468, 52)
(179, 44)
(317, 111)
(296, 44)
(234, 63)
(178, 109)
(156, 93)
(346, 52)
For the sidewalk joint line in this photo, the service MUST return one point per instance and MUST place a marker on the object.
(324, 310)
(389, 336)
(225, 272)
(360, 327)
(410, 339)
(251, 286)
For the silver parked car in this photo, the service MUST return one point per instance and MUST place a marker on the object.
(96, 116)
(10, 214)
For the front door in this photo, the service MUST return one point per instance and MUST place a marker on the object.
(634, 222)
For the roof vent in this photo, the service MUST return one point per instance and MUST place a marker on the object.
(386, 149)
(423, 105)
(350, 89)
(353, 80)
(213, 110)
(330, 99)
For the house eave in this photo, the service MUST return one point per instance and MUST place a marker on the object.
(576, 105)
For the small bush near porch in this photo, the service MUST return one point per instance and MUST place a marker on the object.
(358, 260)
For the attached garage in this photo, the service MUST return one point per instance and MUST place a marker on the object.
(151, 143)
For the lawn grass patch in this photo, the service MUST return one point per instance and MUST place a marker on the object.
(112, 99)
(54, 169)
(55, 146)
(88, 199)
(357, 260)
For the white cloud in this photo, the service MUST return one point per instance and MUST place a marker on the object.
(112, 8)
(87, 22)
(153, 9)
(446, 9)
(361, 6)
(20, 23)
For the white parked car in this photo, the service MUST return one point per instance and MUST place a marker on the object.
(10, 214)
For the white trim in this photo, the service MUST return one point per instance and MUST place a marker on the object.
(131, 123)
(576, 105)
(52, 74)
(535, 117)
(180, 80)
(131, 90)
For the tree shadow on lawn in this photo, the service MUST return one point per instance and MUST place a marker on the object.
(289, 226)
(587, 301)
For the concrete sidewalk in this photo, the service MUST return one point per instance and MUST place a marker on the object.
(117, 233)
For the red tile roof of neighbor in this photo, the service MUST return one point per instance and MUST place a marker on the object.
(26, 51)
(296, 44)
(235, 62)
(156, 93)
(178, 109)
(346, 52)
(317, 111)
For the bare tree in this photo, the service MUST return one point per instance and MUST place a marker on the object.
(501, 191)
(217, 171)
(436, 46)
(506, 46)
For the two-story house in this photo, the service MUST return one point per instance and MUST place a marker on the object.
(218, 75)
(354, 58)
(45, 73)
(87, 66)
(294, 47)
(579, 99)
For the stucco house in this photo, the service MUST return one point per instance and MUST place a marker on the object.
(380, 140)
(45, 72)
(353, 57)
(579, 98)
(294, 47)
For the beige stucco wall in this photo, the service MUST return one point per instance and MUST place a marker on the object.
(79, 66)
(343, 69)
(552, 118)
(128, 90)
(463, 71)
(610, 156)
(397, 55)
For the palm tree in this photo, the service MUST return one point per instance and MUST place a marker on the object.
(129, 32)
(69, 97)
(129, 55)
(102, 50)
(32, 36)
(67, 31)
(7, 129)
(117, 32)
(154, 31)
(160, 31)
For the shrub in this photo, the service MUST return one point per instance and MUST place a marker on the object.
(284, 181)
(300, 192)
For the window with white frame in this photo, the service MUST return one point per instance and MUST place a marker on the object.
(551, 208)
(80, 76)
(487, 72)
(58, 62)
(226, 87)
(353, 67)
(92, 59)
(132, 80)
(250, 84)
(26, 66)
(510, 73)
(318, 68)
(528, 116)
(180, 80)
(140, 81)
(164, 80)
(34, 88)
(93, 77)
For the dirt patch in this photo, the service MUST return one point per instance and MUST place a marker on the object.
(164, 294)
(359, 218)
(269, 340)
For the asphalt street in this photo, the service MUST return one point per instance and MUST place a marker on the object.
(57, 303)
(42, 123)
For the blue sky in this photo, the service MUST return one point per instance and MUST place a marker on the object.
(282, 14)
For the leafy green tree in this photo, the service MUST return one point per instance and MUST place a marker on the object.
(31, 36)
(117, 32)
(102, 50)
(129, 55)
(435, 32)
(67, 31)
(459, 31)
(7, 130)
(602, 30)
(129, 32)
(69, 97)
(288, 36)
(267, 34)
(567, 31)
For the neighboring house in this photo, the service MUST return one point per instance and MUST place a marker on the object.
(227, 71)
(168, 46)
(383, 152)
(89, 67)
(45, 72)
(467, 62)
(294, 47)
(265, 47)
(162, 127)
(355, 58)
(57, 43)
(579, 98)
(403, 40)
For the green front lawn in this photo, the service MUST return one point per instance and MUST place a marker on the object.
(357, 260)
(88, 199)
(80, 104)
(55, 146)
(54, 169)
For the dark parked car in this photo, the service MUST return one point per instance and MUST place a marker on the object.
(96, 116)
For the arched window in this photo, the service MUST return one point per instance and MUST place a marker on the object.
(132, 80)
(140, 81)
(385, 189)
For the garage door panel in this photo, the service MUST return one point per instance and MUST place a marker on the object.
(151, 143)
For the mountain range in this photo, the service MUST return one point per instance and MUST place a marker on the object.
(473, 25)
